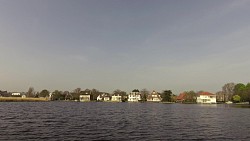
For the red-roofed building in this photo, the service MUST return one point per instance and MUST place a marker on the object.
(181, 97)
(206, 97)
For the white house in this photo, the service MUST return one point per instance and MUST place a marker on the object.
(16, 94)
(116, 98)
(206, 97)
(106, 98)
(154, 97)
(103, 97)
(99, 98)
(134, 96)
(84, 98)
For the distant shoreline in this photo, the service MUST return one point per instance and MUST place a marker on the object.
(20, 99)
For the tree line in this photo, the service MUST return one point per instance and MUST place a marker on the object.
(234, 92)
(166, 95)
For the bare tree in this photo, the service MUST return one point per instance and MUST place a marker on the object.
(77, 90)
(95, 93)
(123, 94)
(117, 92)
(220, 96)
(67, 95)
(144, 94)
(228, 91)
(31, 92)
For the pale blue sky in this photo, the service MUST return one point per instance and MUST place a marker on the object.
(124, 44)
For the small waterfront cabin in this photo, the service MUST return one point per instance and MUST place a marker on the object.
(206, 98)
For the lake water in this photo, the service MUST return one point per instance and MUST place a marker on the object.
(122, 121)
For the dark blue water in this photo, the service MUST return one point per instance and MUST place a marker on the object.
(122, 121)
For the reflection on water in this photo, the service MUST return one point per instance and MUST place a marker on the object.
(122, 121)
(241, 105)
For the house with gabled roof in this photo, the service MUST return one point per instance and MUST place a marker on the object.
(154, 97)
(103, 97)
(181, 97)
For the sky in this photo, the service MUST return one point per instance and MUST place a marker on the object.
(178, 45)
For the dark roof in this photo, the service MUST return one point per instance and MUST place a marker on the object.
(3, 93)
(135, 90)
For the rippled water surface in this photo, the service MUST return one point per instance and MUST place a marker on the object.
(122, 121)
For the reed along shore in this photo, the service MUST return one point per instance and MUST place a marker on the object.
(20, 99)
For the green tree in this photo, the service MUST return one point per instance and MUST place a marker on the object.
(166, 95)
(190, 96)
(239, 89)
(236, 98)
(247, 92)
(57, 95)
(243, 91)
(44, 93)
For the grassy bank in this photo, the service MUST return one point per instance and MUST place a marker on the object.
(19, 99)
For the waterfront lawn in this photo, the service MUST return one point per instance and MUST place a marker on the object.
(20, 99)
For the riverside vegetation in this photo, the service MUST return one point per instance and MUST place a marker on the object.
(230, 92)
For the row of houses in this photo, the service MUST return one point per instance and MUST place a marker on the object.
(201, 97)
(134, 96)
